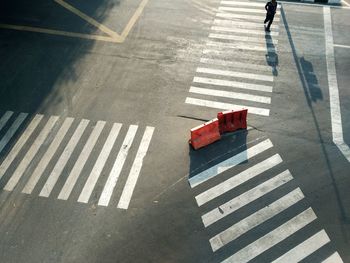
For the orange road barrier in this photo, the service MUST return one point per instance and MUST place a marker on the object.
(205, 134)
(230, 121)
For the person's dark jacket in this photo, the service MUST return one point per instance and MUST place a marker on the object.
(270, 8)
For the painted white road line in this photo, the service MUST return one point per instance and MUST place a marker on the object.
(243, 31)
(242, 10)
(242, 46)
(249, 18)
(238, 179)
(246, 198)
(61, 163)
(4, 119)
(27, 159)
(47, 157)
(334, 258)
(241, 25)
(272, 238)
(235, 74)
(223, 54)
(229, 163)
(100, 163)
(255, 219)
(239, 3)
(230, 94)
(342, 46)
(337, 126)
(12, 130)
(130, 184)
(305, 249)
(261, 39)
(21, 141)
(227, 106)
(117, 167)
(240, 65)
(79, 164)
(233, 84)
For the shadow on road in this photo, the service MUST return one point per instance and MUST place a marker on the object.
(271, 56)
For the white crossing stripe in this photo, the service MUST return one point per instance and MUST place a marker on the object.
(117, 167)
(244, 10)
(20, 143)
(334, 258)
(305, 249)
(61, 163)
(79, 164)
(242, 46)
(238, 3)
(269, 58)
(227, 106)
(47, 157)
(230, 163)
(260, 39)
(135, 169)
(233, 84)
(230, 94)
(255, 219)
(248, 17)
(4, 119)
(244, 25)
(27, 159)
(12, 130)
(272, 238)
(240, 65)
(243, 31)
(246, 198)
(235, 74)
(100, 163)
(238, 179)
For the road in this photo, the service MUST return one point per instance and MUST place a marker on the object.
(97, 100)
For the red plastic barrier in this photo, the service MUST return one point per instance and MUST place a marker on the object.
(230, 121)
(205, 134)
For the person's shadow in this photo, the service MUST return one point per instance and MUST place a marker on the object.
(271, 56)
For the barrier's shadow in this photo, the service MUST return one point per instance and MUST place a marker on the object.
(217, 152)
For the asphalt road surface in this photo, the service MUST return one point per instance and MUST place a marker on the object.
(96, 102)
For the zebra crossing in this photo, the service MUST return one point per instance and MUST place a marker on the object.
(239, 61)
(242, 194)
(29, 144)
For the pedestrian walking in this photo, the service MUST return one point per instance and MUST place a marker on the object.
(270, 8)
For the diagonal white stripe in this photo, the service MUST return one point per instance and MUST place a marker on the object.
(4, 119)
(249, 18)
(12, 130)
(233, 84)
(61, 163)
(21, 141)
(255, 219)
(242, 10)
(235, 74)
(79, 164)
(245, 198)
(269, 58)
(242, 46)
(117, 167)
(11, 184)
(272, 238)
(230, 94)
(305, 249)
(100, 163)
(240, 65)
(227, 106)
(135, 169)
(243, 31)
(242, 25)
(47, 157)
(238, 179)
(334, 258)
(230, 163)
(257, 39)
(238, 3)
